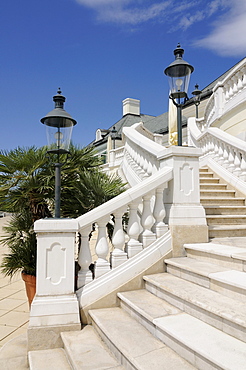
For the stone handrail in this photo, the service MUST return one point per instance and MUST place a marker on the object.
(140, 155)
(227, 94)
(223, 151)
(142, 229)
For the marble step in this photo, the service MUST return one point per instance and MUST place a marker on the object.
(145, 307)
(86, 351)
(222, 312)
(217, 193)
(219, 231)
(133, 345)
(201, 344)
(209, 200)
(233, 258)
(203, 169)
(231, 283)
(193, 270)
(208, 186)
(209, 180)
(226, 219)
(225, 210)
(48, 359)
(206, 174)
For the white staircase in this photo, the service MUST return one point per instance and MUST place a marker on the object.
(192, 316)
(225, 211)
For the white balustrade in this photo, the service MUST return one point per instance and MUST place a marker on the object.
(227, 94)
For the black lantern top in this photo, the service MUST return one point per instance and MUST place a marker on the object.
(178, 73)
(58, 117)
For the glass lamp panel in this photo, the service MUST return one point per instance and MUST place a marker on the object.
(59, 137)
(179, 83)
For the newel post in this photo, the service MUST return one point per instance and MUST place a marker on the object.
(55, 307)
(186, 215)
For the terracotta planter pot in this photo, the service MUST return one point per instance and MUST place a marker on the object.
(30, 282)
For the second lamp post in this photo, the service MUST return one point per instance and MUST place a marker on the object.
(59, 126)
(178, 73)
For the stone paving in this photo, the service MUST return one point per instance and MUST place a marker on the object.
(14, 308)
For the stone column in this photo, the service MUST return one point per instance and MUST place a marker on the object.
(185, 215)
(55, 307)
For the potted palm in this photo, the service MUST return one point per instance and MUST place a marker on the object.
(21, 242)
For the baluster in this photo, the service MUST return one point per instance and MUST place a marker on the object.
(231, 160)
(211, 146)
(145, 167)
(243, 167)
(147, 221)
(149, 169)
(102, 249)
(244, 77)
(159, 213)
(133, 230)
(216, 150)
(226, 90)
(84, 259)
(221, 154)
(226, 156)
(235, 81)
(237, 163)
(118, 256)
(230, 90)
(240, 82)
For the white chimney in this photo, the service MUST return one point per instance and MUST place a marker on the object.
(131, 106)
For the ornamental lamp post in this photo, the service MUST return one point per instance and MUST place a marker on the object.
(197, 97)
(59, 126)
(178, 73)
(113, 136)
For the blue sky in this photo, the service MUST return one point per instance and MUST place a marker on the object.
(100, 52)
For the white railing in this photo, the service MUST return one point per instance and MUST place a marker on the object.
(227, 94)
(223, 151)
(141, 155)
(141, 231)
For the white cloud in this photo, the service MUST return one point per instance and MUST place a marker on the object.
(228, 36)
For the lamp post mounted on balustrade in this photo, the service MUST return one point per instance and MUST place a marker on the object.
(197, 98)
(178, 73)
(113, 135)
(59, 126)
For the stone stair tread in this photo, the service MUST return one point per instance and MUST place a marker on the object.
(147, 304)
(231, 277)
(217, 249)
(206, 299)
(48, 359)
(226, 216)
(227, 227)
(136, 343)
(225, 206)
(217, 191)
(204, 340)
(86, 351)
(195, 266)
